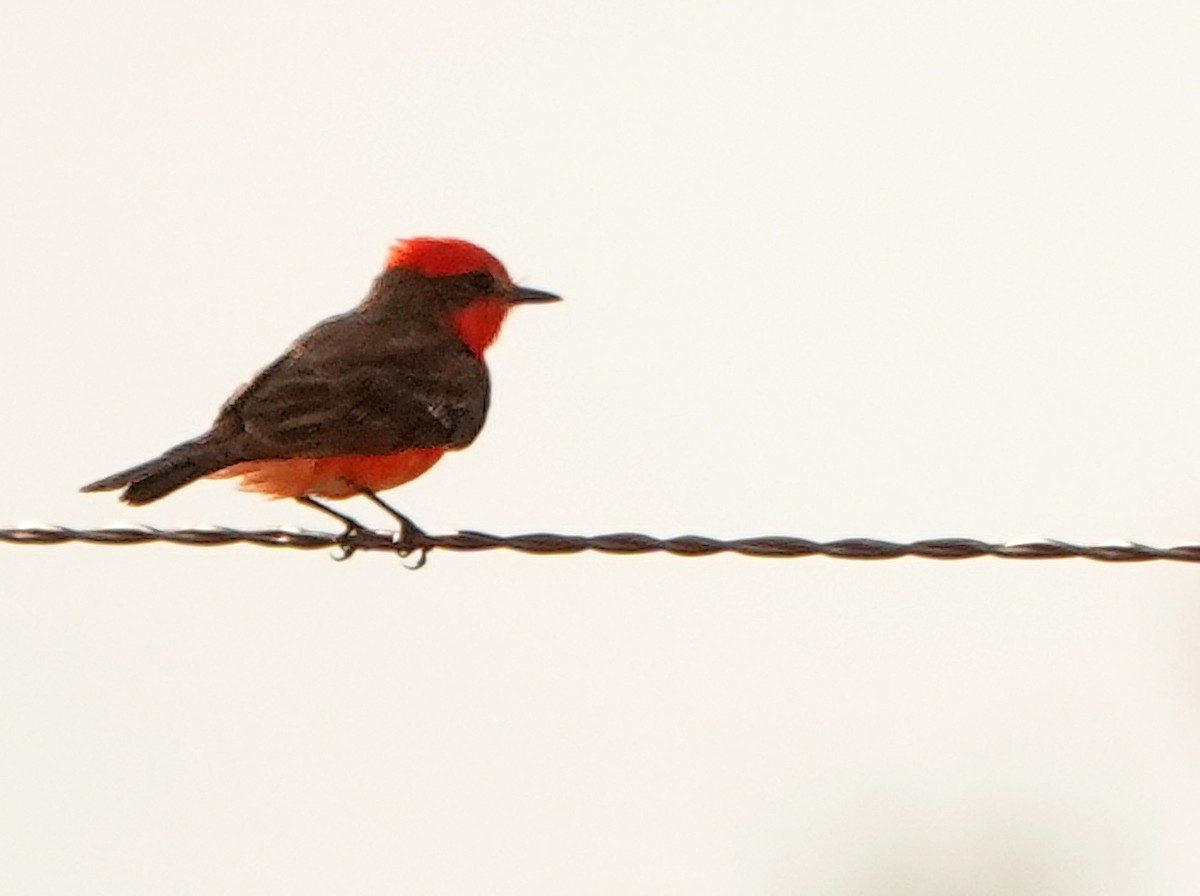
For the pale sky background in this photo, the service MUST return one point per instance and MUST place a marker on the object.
(831, 269)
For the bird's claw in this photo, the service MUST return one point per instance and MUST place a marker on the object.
(409, 538)
(404, 541)
(346, 547)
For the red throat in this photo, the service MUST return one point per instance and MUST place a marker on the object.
(478, 323)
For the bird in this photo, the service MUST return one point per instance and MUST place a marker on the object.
(364, 401)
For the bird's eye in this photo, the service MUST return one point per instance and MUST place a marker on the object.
(482, 281)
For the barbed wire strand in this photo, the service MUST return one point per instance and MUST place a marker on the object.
(615, 543)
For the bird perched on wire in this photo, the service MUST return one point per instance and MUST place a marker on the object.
(363, 401)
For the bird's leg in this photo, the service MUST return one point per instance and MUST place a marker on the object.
(352, 525)
(411, 537)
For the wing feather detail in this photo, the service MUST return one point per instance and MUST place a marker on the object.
(347, 387)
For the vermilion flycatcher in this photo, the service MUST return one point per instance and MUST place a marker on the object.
(364, 401)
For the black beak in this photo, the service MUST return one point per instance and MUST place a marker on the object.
(519, 295)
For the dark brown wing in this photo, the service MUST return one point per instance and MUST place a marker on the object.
(352, 386)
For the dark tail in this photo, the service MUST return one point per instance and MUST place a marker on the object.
(159, 477)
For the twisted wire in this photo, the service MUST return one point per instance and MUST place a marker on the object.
(614, 543)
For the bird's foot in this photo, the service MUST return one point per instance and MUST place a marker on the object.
(346, 545)
(409, 538)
